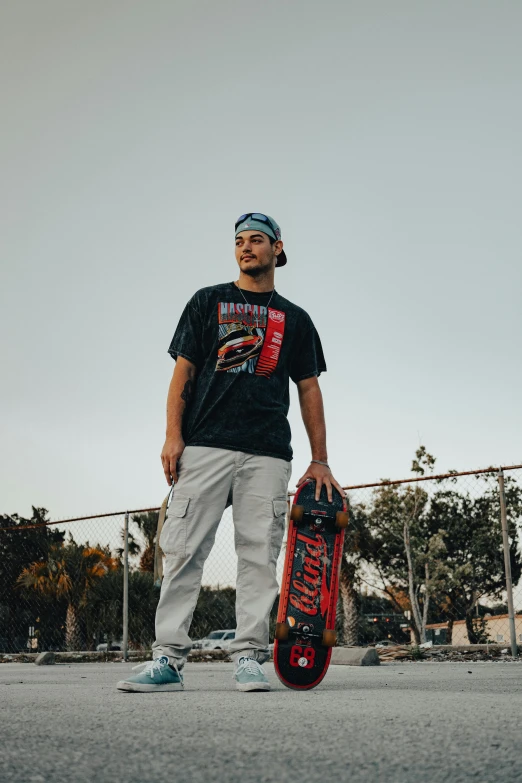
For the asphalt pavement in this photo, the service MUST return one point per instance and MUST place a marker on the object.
(396, 722)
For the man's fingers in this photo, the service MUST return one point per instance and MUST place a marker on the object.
(340, 490)
(318, 487)
(170, 469)
(170, 455)
(328, 489)
(166, 469)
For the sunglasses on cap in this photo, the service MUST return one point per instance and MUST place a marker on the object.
(260, 219)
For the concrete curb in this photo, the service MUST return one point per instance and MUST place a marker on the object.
(45, 659)
(347, 656)
(88, 656)
(355, 656)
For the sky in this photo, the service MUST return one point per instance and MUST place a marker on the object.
(384, 137)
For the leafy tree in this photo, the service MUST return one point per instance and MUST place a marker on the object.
(473, 563)
(215, 609)
(357, 551)
(404, 549)
(147, 524)
(18, 548)
(69, 572)
(423, 461)
(391, 536)
(104, 612)
(400, 547)
(440, 555)
(143, 600)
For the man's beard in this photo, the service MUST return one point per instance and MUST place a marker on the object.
(258, 271)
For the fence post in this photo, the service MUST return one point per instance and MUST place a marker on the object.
(507, 564)
(126, 587)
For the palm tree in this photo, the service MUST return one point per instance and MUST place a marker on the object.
(148, 525)
(349, 601)
(70, 572)
(357, 552)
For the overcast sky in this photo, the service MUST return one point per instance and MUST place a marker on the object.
(383, 136)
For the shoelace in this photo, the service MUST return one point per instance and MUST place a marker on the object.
(152, 667)
(248, 665)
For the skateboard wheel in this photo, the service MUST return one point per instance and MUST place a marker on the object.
(341, 520)
(296, 513)
(329, 638)
(281, 631)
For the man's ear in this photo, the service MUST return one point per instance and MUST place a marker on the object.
(278, 246)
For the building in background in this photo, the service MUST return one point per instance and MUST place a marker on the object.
(496, 627)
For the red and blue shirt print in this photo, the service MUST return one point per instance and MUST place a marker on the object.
(250, 338)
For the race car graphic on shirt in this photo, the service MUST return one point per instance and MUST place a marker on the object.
(249, 338)
(238, 345)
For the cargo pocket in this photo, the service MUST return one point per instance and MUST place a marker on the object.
(280, 508)
(173, 538)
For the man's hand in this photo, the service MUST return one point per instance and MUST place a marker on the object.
(321, 474)
(172, 451)
(180, 392)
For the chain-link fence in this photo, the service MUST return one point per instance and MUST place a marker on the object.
(425, 562)
(64, 585)
(61, 584)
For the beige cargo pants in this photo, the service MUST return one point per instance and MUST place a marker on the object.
(209, 479)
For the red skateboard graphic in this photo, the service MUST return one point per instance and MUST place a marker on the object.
(305, 630)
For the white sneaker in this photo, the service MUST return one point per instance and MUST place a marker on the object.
(250, 676)
(156, 675)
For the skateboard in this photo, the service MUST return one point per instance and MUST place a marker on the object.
(305, 628)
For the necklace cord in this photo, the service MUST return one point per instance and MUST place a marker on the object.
(246, 300)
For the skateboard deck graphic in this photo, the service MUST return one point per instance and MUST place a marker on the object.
(305, 630)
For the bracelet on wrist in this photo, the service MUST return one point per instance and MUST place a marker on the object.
(319, 462)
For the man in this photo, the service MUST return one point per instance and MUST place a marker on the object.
(228, 441)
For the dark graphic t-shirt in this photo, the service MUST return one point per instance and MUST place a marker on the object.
(244, 354)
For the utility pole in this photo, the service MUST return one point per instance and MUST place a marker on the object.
(507, 564)
(126, 587)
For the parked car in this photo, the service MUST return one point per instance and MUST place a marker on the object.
(217, 640)
(112, 647)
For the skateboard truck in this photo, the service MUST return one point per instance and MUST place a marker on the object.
(283, 631)
(297, 514)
